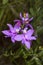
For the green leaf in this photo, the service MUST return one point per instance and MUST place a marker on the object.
(38, 62)
(32, 11)
(1, 13)
(40, 28)
(5, 1)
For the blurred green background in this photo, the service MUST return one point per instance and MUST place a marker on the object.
(17, 54)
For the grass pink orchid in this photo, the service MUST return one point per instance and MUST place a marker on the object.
(12, 32)
(25, 20)
(26, 37)
(20, 31)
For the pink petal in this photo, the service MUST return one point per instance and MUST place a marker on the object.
(29, 25)
(18, 37)
(30, 32)
(20, 15)
(26, 19)
(17, 27)
(27, 43)
(18, 24)
(31, 19)
(27, 15)
(12, 39)
(33, 38)
(16, 20)
(11, 27)
(29, 36)
(6, 32)
(23, 40)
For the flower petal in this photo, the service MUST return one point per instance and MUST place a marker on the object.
(18, 37)
(27, 15)
(33, 38)
(12, 39)
(16, 20)
(25, 30)
(29, 25)
(11, 27)
(31, 19)
(23, 40)
(6, 32)
(30, 32)
(27, 43)
(20, 15)
(29, 36)
(26, 19)
(17, 27)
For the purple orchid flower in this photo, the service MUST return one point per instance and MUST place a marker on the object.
(25, 20)
(26, 37)
(12, 32)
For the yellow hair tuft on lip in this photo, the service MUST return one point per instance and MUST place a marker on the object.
(24, 15)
